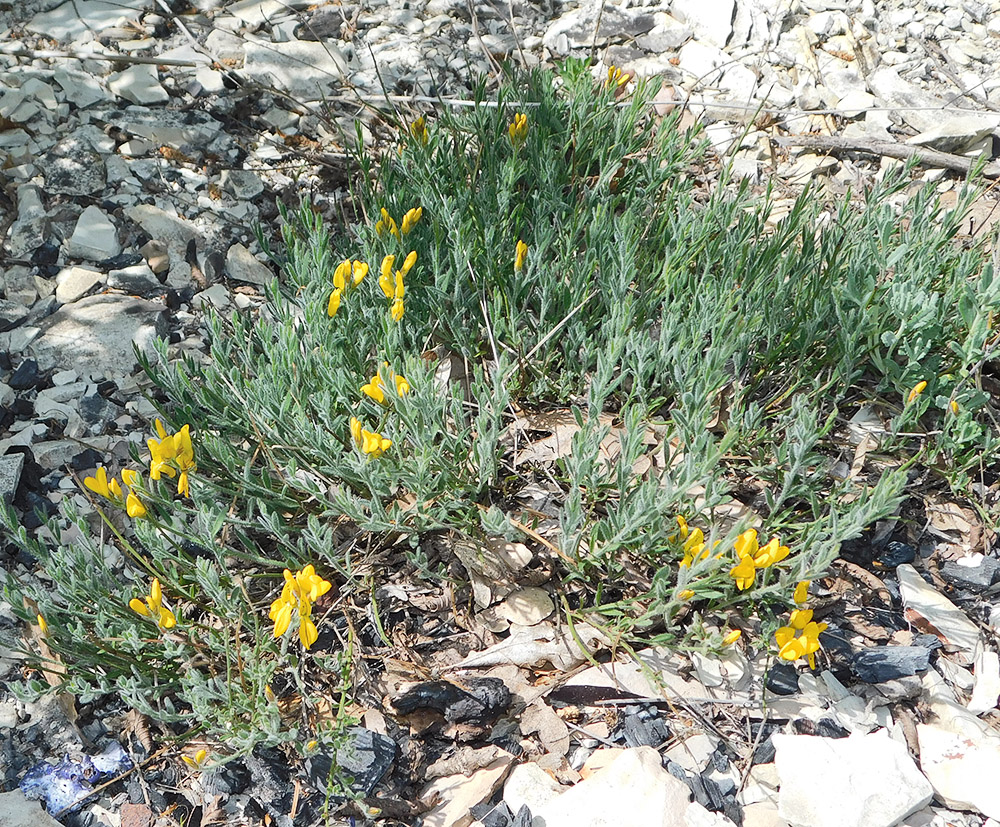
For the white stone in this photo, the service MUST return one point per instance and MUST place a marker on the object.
(18, 811)
(242, 265)
(139, 84)
(711, 20)
(95, 237)
(77, 17)
(872, 779)
(74, 282)
(633, 791)
(938, 610)
(302, 69)
(963, 772)
(530, 784)
(987, 686)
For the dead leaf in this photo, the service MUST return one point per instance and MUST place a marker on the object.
(552, 730)
(527, 607)
(537, 646)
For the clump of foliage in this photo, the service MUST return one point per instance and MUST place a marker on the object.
(555, 244)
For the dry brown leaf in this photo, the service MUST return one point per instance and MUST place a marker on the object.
(537, 646)
(552, 730)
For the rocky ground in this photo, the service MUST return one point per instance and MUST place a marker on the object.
(141, 140)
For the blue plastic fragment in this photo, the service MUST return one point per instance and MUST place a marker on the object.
(64, 786)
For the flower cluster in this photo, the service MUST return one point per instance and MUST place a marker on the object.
(800, 638)
(376, 386)
(393, 288)
(112, 490)
(152, 606)
(617, 78)
(518, 130)
(387, 224)
(752, 557)
(371, 443)
(170, 454)
(300, 591)
(347, 269)
(694, 546)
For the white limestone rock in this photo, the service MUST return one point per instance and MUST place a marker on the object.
(872, 779)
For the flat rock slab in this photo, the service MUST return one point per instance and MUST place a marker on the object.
(95, 335)
(930, 611)
(302, 69)
(18, 811)
(963, 771)
(858, 781)
(10, 476)
(633, 791)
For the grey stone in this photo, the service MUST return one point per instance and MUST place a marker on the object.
(18, 811)
(73, 167)
(30, 229)
(139, 84)
(95, 335)
(922, 110)
(216, 296)
(7, 395)
(577, 28)
(975, 572)
(303, 70)
(242, 183)
(11, 314)
(241, 265)
(191, 131)
(73, 283)
(46, 408)
(872, 779)
(95, 237)
(665, 37)
(80, 89)
(10, 475)
(136, 279)
(174, 230)
(957, 133)
(19, 285)
(962, 769)
(77, 17)
(889, 663)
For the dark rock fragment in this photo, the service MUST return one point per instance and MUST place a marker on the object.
(26, 376)
(895, 554)
(782, 679)
(887, 663)
(365, 757)
(974, 578)
(641, 726)
(471, 700)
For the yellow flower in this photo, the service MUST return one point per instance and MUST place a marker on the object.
(99, 485)
(172, 452)
(744, 573)
(685, 594)
(616, 77)
(917, 390)
(374, 444)
(334, 304)
(518, 129)
(358, 272)
(800, 618)
(386, 224)
(43, 627)
(198, 761)
(770, 554)
(356, 430)
(806, 645)
(954, 407)
(396, 310)
(385, 275)
(418, 129)
(408, 263)
(694, 547)
(300, 591)
(746, 544)
(134, 507)
(682, 526)
(374, 389)
(341, 273)
(153, 607)
(732, 637)
(410, 220)
(183, 485)
(376, 386)
(801, 594)
(520, 254)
